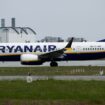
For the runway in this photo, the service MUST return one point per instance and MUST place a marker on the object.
(34, 78)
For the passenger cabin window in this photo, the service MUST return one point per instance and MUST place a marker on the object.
(95, 49)
(102, 48)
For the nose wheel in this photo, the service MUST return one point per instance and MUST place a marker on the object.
(53, 64)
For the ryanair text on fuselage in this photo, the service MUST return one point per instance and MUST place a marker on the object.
(26, 48)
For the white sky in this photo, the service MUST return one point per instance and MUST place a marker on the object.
(64, 18)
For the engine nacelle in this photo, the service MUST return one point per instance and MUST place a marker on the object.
(30, 59)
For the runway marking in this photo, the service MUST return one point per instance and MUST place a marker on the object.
(54, 77)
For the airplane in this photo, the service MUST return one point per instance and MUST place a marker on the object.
(33, 53)
(39, 53)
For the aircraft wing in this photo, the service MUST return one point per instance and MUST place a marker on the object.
(57, 53)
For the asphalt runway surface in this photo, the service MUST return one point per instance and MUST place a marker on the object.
(63, 63)
(102, 78)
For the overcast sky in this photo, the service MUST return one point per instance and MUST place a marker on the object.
(64, 18)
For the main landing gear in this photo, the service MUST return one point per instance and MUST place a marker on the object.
(53, 64)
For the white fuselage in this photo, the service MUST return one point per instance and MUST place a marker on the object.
(79, 51)
(14, 48)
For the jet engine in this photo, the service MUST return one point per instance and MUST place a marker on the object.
(30, 59)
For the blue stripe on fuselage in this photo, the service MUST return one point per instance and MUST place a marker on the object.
(69, 56)
(85, 56)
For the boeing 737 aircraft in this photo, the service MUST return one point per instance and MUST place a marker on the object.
(38, 53)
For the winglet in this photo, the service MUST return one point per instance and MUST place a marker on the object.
(70, 43)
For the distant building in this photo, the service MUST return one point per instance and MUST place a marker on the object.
(52, 39)
(16, 34)
(77, 39)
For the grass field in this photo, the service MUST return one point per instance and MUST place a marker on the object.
(51, 92)
(77, 70)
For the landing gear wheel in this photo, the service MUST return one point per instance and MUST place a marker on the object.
(53, 64)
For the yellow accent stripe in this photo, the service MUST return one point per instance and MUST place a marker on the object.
(37, 53)
(9, 54)
(74, 52)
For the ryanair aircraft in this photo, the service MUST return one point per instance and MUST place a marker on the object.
(38, 53)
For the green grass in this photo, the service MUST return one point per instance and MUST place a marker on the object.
(77, 70)
(45, 92)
